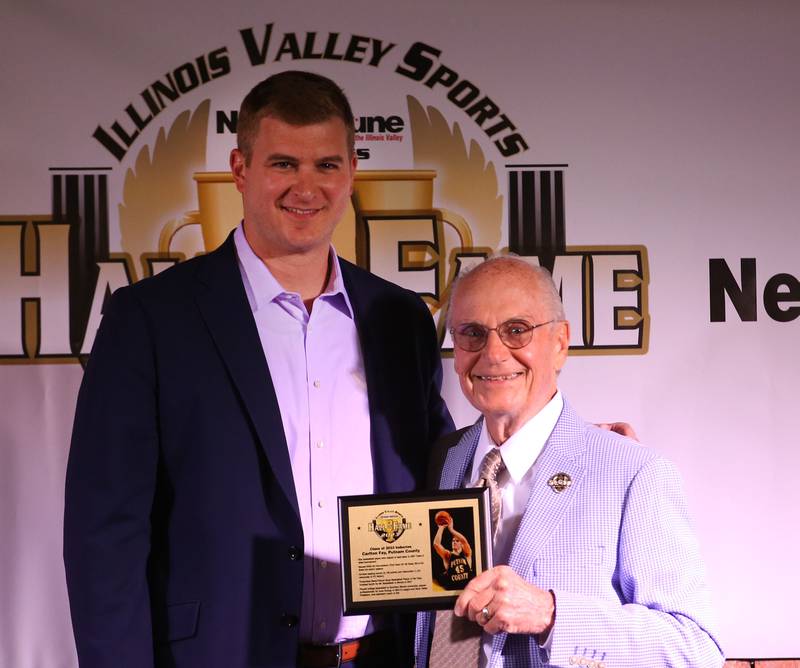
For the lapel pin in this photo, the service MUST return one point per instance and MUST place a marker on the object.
(559, 482)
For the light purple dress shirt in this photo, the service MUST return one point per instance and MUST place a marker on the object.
(318, 372)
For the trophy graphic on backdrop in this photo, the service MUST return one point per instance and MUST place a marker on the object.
(381, 199)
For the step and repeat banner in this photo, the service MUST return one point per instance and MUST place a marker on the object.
(647, 153)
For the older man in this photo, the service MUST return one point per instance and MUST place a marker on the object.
(597, 562)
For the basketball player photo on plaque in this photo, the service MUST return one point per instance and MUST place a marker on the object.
(412, 551)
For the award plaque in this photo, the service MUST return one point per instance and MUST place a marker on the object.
(415, 551)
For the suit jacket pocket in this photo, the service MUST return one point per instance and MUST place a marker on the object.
(569, 560)
(586, 571)
(181, 620)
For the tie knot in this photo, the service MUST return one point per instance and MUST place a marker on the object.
(491, 465)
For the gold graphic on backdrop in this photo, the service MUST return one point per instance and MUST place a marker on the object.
(220, 211)
(392, 197)
(466, 181)
(157, 191)
(397, 191)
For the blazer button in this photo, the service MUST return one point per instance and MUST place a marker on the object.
(289, 621)
(294, 553)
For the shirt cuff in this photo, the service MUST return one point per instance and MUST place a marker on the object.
(546, 643)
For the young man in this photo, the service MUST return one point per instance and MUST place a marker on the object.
(228, 402)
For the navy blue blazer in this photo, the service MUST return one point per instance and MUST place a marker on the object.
(182, 538)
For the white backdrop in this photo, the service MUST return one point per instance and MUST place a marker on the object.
(678, 126)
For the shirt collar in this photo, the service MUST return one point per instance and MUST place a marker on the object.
(522, 448)
(263, 288)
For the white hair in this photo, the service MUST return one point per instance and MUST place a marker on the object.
(541, 282)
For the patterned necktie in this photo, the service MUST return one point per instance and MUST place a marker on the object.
(491, 466)
(456, 640)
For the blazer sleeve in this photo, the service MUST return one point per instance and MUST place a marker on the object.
(110, 484)
(665, 616)
(439, 419)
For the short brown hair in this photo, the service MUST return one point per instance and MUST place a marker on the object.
(297, 98)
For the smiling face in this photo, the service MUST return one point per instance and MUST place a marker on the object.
(508, 386)
(295, 186)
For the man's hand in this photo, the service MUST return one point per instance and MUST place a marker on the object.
(514, 605)
(621, 428)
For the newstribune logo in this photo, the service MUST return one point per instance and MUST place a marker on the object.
(369, 129)
(57, 270)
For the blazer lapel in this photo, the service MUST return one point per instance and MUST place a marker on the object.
(545, 508)
(372, 351)
(223, 305)
(459, 457)
(395, 467)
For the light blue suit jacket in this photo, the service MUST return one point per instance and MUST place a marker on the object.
(617, 549)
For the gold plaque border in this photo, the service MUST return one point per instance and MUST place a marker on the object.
(411, 504)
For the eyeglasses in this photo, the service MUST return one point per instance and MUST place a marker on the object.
(472, 337)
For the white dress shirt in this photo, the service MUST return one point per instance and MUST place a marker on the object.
(519, 453)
